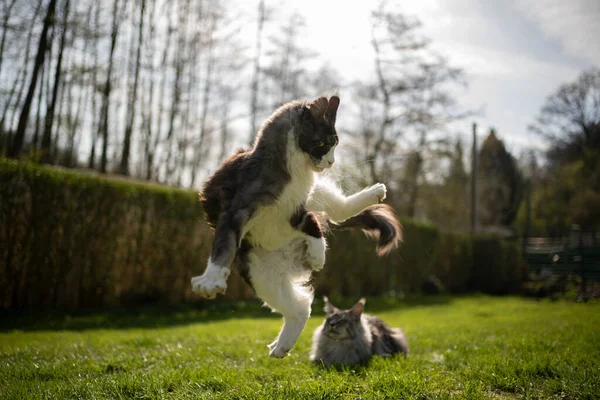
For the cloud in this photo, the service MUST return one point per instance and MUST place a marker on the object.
(514, 53)
(575, 24)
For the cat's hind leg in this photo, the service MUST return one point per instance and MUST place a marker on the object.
(400, 342)
(295, 307)
(281, 282)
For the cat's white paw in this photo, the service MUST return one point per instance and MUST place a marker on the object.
(213, 281)
(377, 192)
(315, 252)
(277, 351)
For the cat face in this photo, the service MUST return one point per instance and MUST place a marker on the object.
(343, 324)
(317, 135)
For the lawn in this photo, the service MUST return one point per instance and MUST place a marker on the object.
(462, 347)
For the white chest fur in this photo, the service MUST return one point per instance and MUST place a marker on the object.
(270, 226)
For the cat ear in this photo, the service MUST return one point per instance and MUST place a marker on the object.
(318, 107)
(329, 308)
(332, 107)
(359, 307)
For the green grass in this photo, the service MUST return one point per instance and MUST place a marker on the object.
(466, 347)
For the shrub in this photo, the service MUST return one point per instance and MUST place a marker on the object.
(71, 239)
(497, 266)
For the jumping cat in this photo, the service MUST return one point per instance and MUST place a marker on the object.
(270, 211)
(350, 337)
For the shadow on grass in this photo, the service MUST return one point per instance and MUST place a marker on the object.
(160, 316)
(361, 369)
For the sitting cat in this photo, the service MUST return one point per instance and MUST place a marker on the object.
(270, 210)
(350, 337)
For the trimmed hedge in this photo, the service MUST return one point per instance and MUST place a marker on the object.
(461, 263)
(70, 239)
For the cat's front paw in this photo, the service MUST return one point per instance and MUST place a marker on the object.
(271, 346)
(377, 193)
(277, 351)
(213, 281)
(315, 252)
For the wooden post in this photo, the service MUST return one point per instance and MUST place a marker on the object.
(474, 182)
(527, 230)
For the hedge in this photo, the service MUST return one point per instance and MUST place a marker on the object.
(71, 239)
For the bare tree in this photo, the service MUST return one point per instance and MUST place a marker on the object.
(96, 117)
(176, 92)
(262, 16)
(47, 136)
(224, 134)
(19, 82)
(34, 143)
(17, 144)
(570, 119)
(568, 191)
(208, 78)
(80, 76)
(412, 94)
(7, 7)
(150, 155)
(193, 42)
(124, 167)
(104, 113)
(147, 125)
(228, 85)
(287, 62)
(395, 45)
(52, 156)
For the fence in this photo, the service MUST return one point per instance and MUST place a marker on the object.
(575, 254)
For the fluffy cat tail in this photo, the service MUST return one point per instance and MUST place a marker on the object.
(377, 222)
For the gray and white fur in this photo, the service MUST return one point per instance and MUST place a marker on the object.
(269, 209)
(349, 337)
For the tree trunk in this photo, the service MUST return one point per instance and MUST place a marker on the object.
(163, 84)
(71, 122)
(225, 97)
(13, 89)
(414, 187)
(17, 144)
(176, 99)
(124, 167)
(49, 120)
(210, 62)
(82, 101)
(147, 109)
(53, 151)
(256, 76)
(386, 111)
(7, 12)
(96, 120)
(183, 136)
(34, 144)
(107, 88)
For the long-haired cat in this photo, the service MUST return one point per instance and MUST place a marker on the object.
(270, 210)
(349, 337)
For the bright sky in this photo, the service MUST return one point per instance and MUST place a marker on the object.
(515, 53)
